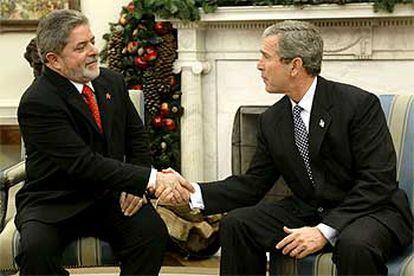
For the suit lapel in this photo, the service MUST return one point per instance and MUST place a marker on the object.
(105, 103)
(71, 95)
(319, 124)
(320, 118)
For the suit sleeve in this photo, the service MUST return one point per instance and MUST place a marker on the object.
(373, 165)
(246, 189)
(48, 132)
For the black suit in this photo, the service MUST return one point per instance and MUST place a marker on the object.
(75, 174)
(352, 161)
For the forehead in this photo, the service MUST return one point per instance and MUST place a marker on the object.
(80, 33)
(270, 43)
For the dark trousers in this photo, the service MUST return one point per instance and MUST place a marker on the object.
(246, 234)
(139, 242)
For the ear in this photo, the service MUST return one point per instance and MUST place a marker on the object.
(54, 60)
(297, 66)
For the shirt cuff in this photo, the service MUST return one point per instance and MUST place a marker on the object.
(152, 179)
(328, 232)
(196, 198)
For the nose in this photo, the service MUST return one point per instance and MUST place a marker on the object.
(94, 49)
(259, 65)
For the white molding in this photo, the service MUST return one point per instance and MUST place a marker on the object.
(305, 12)
(8, 112)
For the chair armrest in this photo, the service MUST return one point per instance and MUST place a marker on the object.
(8, 178)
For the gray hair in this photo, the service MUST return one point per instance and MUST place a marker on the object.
(299, 39)
(54, 29)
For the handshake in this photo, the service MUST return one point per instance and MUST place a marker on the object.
(171, 188)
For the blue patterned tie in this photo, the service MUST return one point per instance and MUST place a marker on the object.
(302, 139)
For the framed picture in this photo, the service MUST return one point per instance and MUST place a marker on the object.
(24, 15)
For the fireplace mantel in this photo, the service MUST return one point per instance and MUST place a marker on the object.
(217, 58)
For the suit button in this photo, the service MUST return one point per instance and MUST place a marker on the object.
(320, 210)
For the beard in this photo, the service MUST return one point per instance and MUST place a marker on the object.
(88, 72)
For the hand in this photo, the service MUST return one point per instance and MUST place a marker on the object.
(300, 242)
(172, 188)
(130, 204)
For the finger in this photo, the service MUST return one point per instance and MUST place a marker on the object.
(168, 196)
(177, 194)
(185, 195)
(303, 254)
(121, 200)
(184, 183)
(132, 205)
(127, 201)
(288, 239)
(137, 207)
(290, 247)
(159, 190)
(165, 193)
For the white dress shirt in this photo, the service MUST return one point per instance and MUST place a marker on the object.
(196, 198)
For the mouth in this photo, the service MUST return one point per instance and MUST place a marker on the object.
(92, 62)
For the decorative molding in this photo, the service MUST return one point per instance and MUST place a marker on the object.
(8, 112)
(197, 67)
(305, 12)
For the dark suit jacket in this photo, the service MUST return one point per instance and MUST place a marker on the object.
(352, 159)
(69, 164)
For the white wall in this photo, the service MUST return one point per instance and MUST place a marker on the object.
(16, 73)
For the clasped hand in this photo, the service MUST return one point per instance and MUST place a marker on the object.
(172, 188)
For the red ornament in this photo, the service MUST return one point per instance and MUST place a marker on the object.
(140, 62)
(161, 28)
(157, 121)
(131, 7)
(150, 56)
(169, 124)
(165, 109)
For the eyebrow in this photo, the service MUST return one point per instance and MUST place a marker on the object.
(264, 53)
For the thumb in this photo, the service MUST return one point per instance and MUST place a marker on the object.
(287, 230)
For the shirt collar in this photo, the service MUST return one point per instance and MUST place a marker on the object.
(306, 101)
(79, 86)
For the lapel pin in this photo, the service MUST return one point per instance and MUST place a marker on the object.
(108, 96)
(321, 123)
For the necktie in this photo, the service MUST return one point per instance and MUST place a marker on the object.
(92, 105)
(302, 139)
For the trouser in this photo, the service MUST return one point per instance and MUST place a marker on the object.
(139, 242)
(246, 234)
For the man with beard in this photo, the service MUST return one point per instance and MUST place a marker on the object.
(87, 161)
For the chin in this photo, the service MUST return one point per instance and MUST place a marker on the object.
(91, 74)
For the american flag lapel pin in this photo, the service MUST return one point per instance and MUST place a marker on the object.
(108, 96)
(321, 123)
